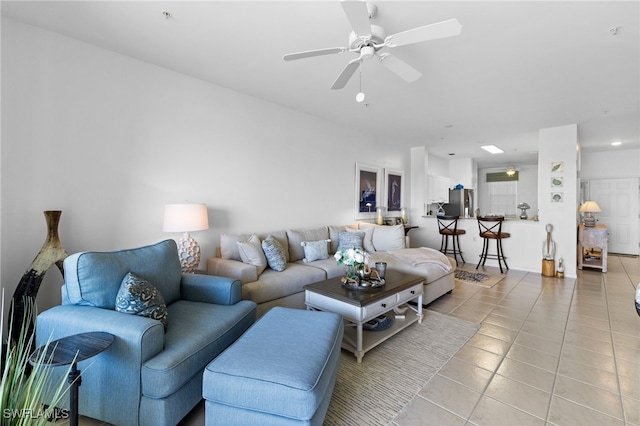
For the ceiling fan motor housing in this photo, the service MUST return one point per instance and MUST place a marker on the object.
(376, 37)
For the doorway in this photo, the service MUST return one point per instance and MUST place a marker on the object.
(618, 199)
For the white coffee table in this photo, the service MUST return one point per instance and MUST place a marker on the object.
(359, 306)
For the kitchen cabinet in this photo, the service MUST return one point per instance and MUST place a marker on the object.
(592, 247)
(438, 189)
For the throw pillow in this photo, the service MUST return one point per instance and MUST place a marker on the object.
(252, 254)
(297, 236)
(367, 241)
(315, 250)
(274, 253)
(350, 239)
(139, 297)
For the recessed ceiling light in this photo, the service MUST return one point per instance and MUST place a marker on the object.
(616, 143)
(492, 149)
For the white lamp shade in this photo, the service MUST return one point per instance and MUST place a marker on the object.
(590, 207)
(185, 218)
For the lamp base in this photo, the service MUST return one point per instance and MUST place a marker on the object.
(589, 222)
(189, 253)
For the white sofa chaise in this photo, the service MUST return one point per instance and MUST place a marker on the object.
(240, 257)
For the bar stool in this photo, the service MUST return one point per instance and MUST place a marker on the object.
(448, 227)
(491, 229)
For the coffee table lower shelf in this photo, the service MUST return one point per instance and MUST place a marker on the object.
(371, 339)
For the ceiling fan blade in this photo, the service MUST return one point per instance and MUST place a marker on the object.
(358, 16)
(429, 32)
(312, 53)
(400, 68)
(346, 74)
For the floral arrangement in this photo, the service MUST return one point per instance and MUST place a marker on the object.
(352, 256)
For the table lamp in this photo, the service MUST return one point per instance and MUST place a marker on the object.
(186, 218)
(588, 208)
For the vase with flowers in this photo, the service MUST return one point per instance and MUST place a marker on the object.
(357, 262)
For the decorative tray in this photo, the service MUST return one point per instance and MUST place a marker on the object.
(368, 284)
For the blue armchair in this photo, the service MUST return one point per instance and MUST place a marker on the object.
(149, 375)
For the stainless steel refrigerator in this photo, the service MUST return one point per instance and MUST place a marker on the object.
(461, 203)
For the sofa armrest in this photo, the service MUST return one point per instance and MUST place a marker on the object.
(232, 269)
(137, 339)
(211, 289)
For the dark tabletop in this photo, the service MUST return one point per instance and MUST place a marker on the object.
(395, 282)
(64, 350)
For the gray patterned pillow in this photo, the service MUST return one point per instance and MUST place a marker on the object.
(274, 253)
(350, 240)
(139, 297)
(315, 250)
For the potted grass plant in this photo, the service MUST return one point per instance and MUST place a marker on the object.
(28, 396)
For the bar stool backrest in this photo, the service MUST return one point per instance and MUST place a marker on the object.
(448, 224)
(490, 226)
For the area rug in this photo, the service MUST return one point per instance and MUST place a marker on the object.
(375, 391)
(478, 278)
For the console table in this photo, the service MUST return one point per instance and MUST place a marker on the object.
(592, 246)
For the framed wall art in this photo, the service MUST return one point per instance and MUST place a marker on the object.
(394, 191)
(557, 166)
(556, 197)
(557, 182)
(368, 189)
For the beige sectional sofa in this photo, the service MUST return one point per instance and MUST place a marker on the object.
(240, 257)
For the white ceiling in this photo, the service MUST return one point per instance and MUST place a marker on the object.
(517, 66)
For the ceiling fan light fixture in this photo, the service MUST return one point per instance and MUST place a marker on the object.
(511, 171)
(360, 97)
(367, 52)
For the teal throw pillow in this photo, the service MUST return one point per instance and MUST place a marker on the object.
(137, 296)
(315, 250)
(349, 240)
(274, 253)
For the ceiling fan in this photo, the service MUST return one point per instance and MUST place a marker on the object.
(368, 40)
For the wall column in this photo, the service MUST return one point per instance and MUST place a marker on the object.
(559, 146)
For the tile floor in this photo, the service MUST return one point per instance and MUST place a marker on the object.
(549, 352)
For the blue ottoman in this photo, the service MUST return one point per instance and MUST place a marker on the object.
(280, 372)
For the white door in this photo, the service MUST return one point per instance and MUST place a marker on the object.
(618, 199)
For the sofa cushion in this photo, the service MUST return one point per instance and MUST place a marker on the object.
(273, 285)
(329, 266)
(274, 253)
(198, 333)
(139, 297)
(94, 278)
(388, 237)
(350, 239)
(251, 253)
(315, 250)
(297, 236)
(229, 245)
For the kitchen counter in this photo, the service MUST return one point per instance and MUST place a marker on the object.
(523, 249)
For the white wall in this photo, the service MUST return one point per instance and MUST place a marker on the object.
(110, 140)
(624, 163)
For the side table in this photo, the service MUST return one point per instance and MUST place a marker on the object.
(593, 246)
(71, 350)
